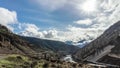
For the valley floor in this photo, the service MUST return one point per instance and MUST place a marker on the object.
(20, 61)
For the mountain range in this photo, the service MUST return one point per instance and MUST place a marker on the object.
(12, 43)
(28, 52)
(103, 51)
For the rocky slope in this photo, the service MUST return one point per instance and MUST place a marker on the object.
(108, 44)
(13, 44)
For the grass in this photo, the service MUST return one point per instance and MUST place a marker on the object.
(19, 61)
(15, 61)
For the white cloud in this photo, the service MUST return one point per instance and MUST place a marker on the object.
(76, 34)
(109, 5)
(33, 31)
(50, 33)
(84, 22)
(108, 14)
(7, 17)
(30, 30)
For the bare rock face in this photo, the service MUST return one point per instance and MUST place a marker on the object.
(105, 45)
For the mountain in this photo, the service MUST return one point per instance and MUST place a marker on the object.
(51, 45)
(13, 44)
(104, 49)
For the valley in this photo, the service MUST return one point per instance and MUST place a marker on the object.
(29, 52)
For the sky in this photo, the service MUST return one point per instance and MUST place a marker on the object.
(63, 20)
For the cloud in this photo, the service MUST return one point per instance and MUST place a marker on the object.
(76, 34)
(50, 33)
(72, 33)
(84, 22)
(33, 31)
(108, 12)
(30, 30)
(7, 17)
(109, 5)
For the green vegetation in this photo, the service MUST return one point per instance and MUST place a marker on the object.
(19, 61)
(4, 30)
(15, 61)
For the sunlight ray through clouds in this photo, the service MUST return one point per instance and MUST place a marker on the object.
(88, 6)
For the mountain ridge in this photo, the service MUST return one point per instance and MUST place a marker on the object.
(109, 38)
(55, 46)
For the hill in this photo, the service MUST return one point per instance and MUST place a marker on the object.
(13, 44)
(51, 45)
